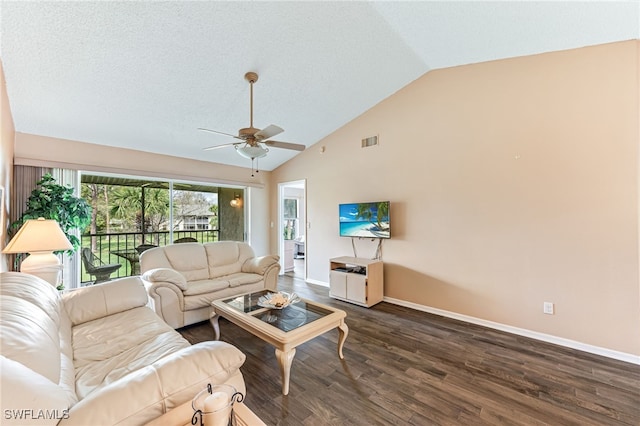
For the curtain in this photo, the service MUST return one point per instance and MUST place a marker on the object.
(71, 264)
(24, 181)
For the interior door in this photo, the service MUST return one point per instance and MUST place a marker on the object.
(292, 227)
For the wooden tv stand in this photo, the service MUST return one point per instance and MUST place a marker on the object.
(356, 280)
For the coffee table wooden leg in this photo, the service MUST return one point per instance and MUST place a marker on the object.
(214, 322)
(285, 359)
(344, 332)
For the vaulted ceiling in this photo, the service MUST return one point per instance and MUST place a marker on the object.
(145, 75)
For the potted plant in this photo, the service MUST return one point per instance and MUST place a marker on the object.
(51, 200)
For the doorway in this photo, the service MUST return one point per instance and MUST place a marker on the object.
(292, 219)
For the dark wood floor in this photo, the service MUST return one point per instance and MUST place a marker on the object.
(405, 367)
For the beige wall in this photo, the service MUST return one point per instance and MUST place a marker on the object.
(7, 135)
(511, 183)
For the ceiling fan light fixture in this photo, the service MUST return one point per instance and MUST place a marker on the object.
(251, 152)
(253, 138)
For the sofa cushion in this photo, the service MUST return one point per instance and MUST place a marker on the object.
(241, 278)
(206, 286)
(189, 259)
(106, 350)
(29, 323)
(88, 303)
(162, 384)
(227, 257)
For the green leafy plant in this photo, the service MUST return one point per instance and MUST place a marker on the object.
(51, 200)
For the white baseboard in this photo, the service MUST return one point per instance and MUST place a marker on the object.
(316, 282)
(609, 353)
(621, 356)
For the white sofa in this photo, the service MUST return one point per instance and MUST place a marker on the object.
(99, 356)
(183, 279)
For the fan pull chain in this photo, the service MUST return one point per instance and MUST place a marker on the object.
(254, 168)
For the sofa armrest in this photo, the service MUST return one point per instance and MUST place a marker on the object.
(271, 277)
(167, 300)
(152, 391)
(165, 287)
(100, 300)
(165, 275)
(260, 265)
(23, 388)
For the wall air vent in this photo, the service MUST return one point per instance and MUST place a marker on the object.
(370, 141)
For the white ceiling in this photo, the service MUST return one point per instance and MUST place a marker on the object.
(145, 75)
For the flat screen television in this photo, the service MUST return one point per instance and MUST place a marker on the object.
(365, 220)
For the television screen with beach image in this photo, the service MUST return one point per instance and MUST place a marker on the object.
(365, 220)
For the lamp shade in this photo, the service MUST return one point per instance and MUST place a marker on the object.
(38, 235)
(40, 238)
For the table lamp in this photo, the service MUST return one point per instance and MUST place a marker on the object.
(40, 238)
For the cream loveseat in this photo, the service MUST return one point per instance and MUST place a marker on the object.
(99, 356)
(183, 279)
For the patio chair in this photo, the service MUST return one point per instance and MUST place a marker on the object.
(143, 247)
(96, 267)
(185, 240)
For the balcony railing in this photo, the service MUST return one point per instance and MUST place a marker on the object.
(121, 247)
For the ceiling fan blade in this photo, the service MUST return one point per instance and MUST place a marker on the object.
(268, 132)
(221, 133)
(221, 146)
(285, 145)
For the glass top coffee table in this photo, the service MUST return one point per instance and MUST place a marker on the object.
(285, 328)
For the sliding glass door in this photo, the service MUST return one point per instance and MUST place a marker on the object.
(131, 214)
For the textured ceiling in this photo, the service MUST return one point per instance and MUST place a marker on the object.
(146, 75)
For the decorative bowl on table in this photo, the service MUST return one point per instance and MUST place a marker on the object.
(278, 300)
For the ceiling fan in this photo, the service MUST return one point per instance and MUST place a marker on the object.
(254, 142)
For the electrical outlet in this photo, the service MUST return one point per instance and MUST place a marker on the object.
(547, 308)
